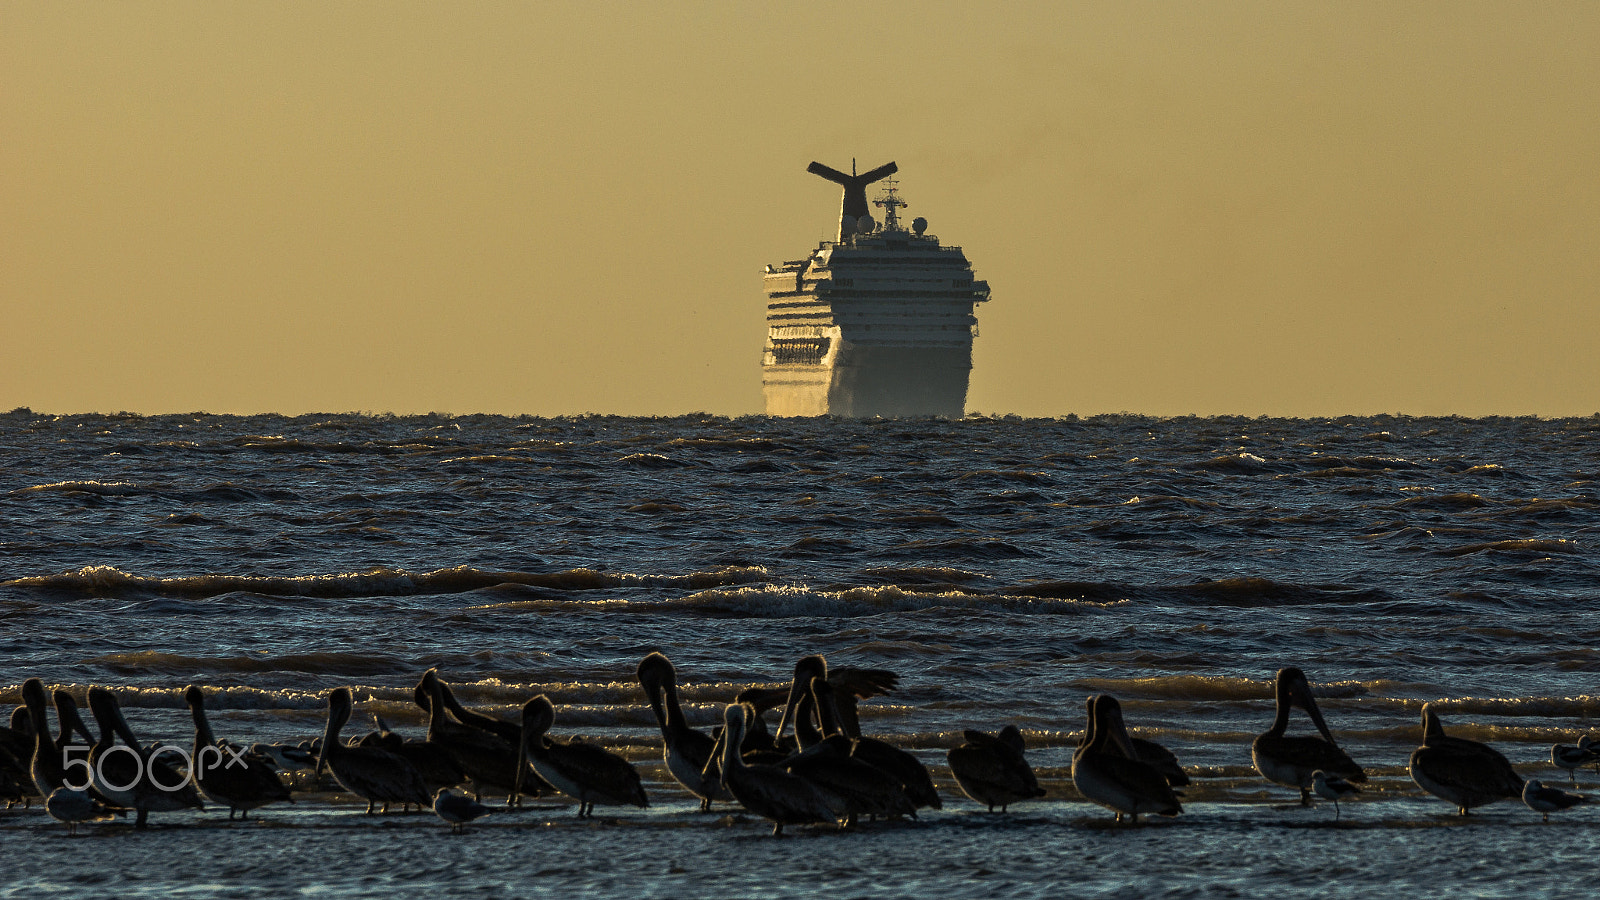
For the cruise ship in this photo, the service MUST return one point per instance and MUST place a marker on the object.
(877, 323)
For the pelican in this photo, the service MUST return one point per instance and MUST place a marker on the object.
(371, 773)
(811, 673)
(1463, 772)
(1154, 755)
(484, 757)
(134, 778)
(456, 809)
(1289, 761)
(46, 761)
(510, 732)
(1573, 758)
(1545, 800)
(852, 786)
(685, 750)
(430, 758)
(992, 770)
(239, 781)
(74, 807)
(1332, 787)
(849, 684)
(10, 785)
(768, 792)
(1106, 771)
(588, 773)
(16, 752)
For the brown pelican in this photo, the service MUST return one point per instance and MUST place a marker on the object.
(73, 807)
(907, 769)
(1460, 771)
(371, 773)
(1545, 800)
(45, 763)
(685, 750)
(853, 787)
(70, 722)
(849, 683)
(241, 781)
(768, 792)
(1332, 787)
(510, 732)
(456, 809)
(129, 775)
(992, 770)
(1573, 758)
(1290, 760)
(431, 760)
(1157, 756)
(485, 758)
(588, 773)
(1106, 771)
(16, 753)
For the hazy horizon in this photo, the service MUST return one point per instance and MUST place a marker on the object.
(1236, 208)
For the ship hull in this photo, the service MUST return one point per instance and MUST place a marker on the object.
(866, 380)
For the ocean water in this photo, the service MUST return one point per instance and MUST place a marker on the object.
(1005, 568)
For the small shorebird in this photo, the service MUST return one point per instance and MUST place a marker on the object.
(1571, 758)
(1545, 800)
(1332, 787)
(1106, 770)
(1290, 760)
(457, 809)
(588, 773)
(74, 807)
(992, 770)
(1466, 773)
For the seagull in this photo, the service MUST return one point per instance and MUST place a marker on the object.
(1332, 787)
(1573, 758)
(457, 809)
(73, 807)
(1545, 800)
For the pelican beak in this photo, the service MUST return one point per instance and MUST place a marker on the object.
(1309, 704)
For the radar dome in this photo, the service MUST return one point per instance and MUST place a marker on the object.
(919, 224)
(847, 227)
(866, 224)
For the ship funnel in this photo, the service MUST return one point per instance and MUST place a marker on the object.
(855, 191)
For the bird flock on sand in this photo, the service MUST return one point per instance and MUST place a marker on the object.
(824, 773)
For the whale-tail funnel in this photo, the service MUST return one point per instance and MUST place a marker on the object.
(855, 191)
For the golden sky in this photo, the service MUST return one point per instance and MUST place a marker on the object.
(1181, 207)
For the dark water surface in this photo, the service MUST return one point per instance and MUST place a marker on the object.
(1005, 568)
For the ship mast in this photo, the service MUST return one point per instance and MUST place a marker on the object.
(891, 203)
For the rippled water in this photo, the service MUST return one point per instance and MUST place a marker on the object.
(1006, 568)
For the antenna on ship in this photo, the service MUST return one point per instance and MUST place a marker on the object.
(891, 203)
(854, 205)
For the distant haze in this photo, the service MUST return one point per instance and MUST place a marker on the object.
(1213, 208)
